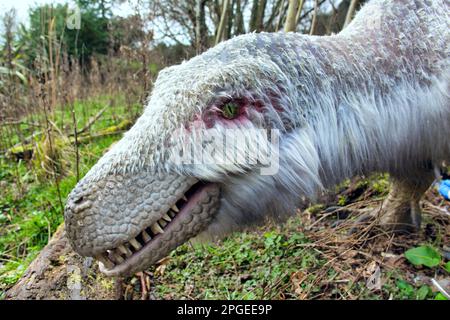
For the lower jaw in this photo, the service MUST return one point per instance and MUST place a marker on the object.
(192, 219)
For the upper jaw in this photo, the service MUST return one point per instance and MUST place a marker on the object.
(105, 213)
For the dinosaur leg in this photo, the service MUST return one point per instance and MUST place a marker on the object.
(400, 211)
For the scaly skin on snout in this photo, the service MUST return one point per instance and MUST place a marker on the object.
(101, 215)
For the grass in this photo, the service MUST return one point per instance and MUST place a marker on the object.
(30, 210)
(255, 265)
(279, 262)
(288, 261)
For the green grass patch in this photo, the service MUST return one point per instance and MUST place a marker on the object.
(31, 208)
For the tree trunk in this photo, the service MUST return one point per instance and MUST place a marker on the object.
(350, 12)
(230, 21)
(200, 27)
(60, 273)
(314, 19)
(291, 14)
(260, 15)
(239, 20)
(223, 19)
(280, 16)
(299, 11)
(253, 17)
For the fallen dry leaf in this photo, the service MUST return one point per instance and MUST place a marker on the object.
(297, 279)
(374, 281)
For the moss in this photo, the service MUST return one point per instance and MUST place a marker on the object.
(52, 156)
(343, 200)
(314, 209)
(22, 151)
(381, 184)
(62, 259)
(108, 284)
(20, 148)
(363, 184)
(123, 125)
(74, 279)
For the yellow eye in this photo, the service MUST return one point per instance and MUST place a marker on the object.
(230, 110)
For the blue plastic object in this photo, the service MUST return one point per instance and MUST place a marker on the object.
(444, 189)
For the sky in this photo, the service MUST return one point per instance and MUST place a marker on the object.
(22, 7)
(124, 9)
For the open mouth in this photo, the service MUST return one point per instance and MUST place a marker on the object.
(158, 239)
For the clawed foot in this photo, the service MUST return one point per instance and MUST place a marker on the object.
(400, 211)
(404, 218)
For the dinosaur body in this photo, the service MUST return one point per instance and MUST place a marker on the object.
(371, 98)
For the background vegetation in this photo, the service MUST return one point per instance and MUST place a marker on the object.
(67, 94)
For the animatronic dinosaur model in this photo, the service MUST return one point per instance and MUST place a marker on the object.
(373, 98)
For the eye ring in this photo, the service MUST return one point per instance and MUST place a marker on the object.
(230, 110)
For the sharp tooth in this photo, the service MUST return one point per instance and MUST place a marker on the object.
(171, 213)
(150, 232)
(116, 257)
(166, 217)
(104, 259)
(124, 250)
(175, 208)
(145, 236)
(184, 198)
(156, 228)
(162, 223)
(135, 244)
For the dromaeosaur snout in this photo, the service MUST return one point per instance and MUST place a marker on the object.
(131, 221)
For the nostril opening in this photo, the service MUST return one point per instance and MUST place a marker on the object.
(79, 200)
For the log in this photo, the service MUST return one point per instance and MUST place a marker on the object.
(25, 151)
(60, 273)
(91, 121)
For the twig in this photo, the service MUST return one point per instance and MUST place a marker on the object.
(144, 291)
(77, 154)
(439, 287)
(310, 10)
(19, 122)
(90, 122)
(56, 127)
(438, 209)
(118, 289)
